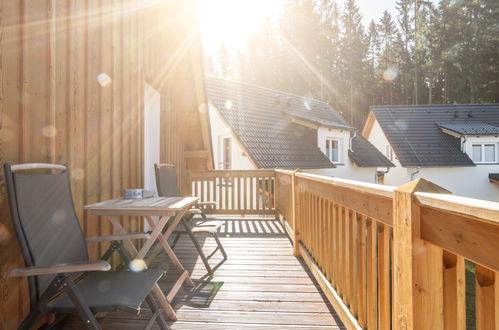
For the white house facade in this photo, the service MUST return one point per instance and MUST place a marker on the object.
(455, 146)
(254, 127)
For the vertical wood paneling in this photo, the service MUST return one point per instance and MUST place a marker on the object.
(54, 109)
(12, 290)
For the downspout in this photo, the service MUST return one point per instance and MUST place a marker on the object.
(413, 174)
(463, 142)
(351, 139)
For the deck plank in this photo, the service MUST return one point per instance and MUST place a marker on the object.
(261, 285)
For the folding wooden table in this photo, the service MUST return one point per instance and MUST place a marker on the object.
(170, 210)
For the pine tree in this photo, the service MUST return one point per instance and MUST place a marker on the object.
(387, 61)
(225, 62)
(354, 50)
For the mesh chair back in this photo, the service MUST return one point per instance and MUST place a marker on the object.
(166, 181)
(46, 224)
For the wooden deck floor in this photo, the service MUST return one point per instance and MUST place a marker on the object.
(260, 286)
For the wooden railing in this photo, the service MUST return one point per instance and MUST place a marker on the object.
(235, 191)
(395, 257)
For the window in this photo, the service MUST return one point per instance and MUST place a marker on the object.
(484, 153)
(389, 152)
(333, 150)
(226, 153)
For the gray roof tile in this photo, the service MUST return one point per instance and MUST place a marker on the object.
(259, 117)
(364, 154)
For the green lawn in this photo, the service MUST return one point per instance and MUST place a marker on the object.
(470, 295)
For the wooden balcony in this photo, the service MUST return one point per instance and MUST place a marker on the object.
(261, 285)
(341, 253)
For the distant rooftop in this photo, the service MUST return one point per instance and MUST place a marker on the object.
(415, 132)
(478, 129)
(261, 119)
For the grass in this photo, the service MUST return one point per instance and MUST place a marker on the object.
(470, 295)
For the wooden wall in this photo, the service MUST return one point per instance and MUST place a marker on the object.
(56, 105)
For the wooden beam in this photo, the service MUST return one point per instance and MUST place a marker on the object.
(304, 123)
(474, 240)
(366, 131)
(417, 264)
(493, 181)
(376, 206)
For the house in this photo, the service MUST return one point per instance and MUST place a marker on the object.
(254, 127)
(454, 146)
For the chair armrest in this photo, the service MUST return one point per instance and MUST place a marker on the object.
(119, 237)
(207, 204)
(194, 211)
(84, 266)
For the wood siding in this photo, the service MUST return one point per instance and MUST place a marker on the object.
(55, 105)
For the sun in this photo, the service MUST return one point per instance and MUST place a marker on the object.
(232, 22)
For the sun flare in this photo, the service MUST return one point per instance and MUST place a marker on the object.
(232, 22)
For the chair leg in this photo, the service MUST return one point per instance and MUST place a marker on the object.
(157, 315)
(220, 246)
(36, 310)
(198, 248)
(175, 240)
(85, 313)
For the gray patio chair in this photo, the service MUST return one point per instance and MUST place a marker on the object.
(61, 277)
(166, 182)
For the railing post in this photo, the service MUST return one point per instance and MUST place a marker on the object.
(417, 265)
(296, 216)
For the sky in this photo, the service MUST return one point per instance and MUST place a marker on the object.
(234, 21)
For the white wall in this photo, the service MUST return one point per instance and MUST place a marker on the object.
(346, 168)
(151, 135)
(462, 181)
(219, 130)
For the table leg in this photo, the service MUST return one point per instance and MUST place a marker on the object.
(164, 243)
(132, 250)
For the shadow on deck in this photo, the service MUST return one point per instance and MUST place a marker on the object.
(261, 285)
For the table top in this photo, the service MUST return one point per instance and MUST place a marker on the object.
(156, 206)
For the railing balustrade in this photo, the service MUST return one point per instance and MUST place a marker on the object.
(391, 257)
(235, 191)
(385, 257)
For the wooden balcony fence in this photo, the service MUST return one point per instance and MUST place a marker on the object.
(236, 191)
(385, 257)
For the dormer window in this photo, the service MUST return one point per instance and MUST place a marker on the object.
(483, 153)
(333, 150)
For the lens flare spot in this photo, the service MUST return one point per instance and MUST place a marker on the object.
(228, 104)
(78, 174)
(307, 105)
(103, 79)
(5, 235)
(390, 74)
(49, 131)
(58, 217)
(137, 265)
(203, 108)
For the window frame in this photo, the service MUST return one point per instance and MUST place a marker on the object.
(339, 142)
(482, 152)
(223, 164)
